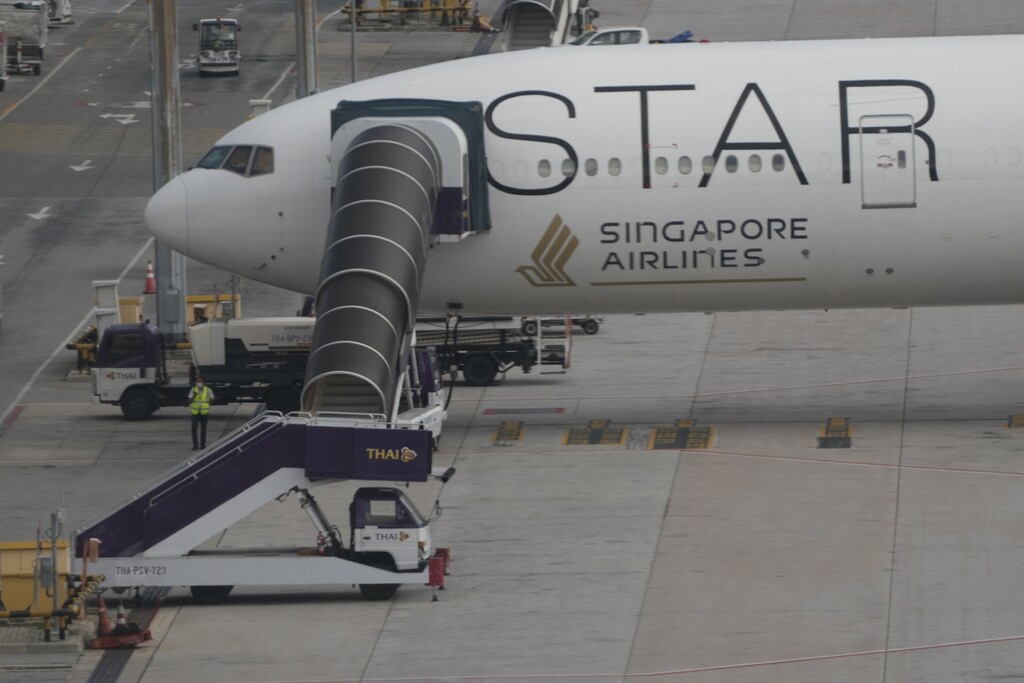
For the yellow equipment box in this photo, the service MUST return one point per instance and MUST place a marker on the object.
(17, 574)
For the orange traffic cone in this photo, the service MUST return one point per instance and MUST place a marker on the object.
(150, 280)
(103, 628)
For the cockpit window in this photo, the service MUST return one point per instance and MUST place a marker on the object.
(262, 161)
(238, 160)
(241, 159)
(215, 157)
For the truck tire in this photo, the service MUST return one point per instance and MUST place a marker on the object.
(479, 370)
(210, 595)
(590, 326)
(138, 403)
(379, 591)
(282, 399)
(529, 328)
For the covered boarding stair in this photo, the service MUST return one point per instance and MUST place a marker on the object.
(539, 23)
(410, 172)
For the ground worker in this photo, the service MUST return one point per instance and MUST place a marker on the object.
(200, 397)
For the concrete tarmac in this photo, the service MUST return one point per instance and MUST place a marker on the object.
(758, 557)
(751, 554)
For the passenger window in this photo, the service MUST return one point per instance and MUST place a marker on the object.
(568, 167)
(238, 160)
(614, 166)
(731, 163)
(685, 165)
(709, 164)
(754, 163)
(778, 162)
(590, 167)
(544, 168)
(661, 165)
(214, 158)
(263, 161)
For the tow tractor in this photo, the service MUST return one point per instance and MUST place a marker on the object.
(218, 46)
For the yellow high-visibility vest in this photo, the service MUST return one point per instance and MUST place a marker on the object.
(200, 400)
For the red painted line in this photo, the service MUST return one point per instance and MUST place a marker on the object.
(853, 463)
(679, 672)
(821, 658)
(521, 411)
(12, 416)
(794, 387)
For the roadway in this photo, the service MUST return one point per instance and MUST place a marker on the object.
(761, 557)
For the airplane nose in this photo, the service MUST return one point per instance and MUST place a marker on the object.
(167, 215)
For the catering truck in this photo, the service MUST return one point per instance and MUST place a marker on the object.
(258, 360)
(218, 46)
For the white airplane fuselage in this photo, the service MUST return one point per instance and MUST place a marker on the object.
(743, 176)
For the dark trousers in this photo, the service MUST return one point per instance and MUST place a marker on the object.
(199, 420)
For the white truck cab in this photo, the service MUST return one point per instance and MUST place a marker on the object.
(385, 522)
(621, 35)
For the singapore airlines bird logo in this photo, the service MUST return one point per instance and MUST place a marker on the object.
(550, 255)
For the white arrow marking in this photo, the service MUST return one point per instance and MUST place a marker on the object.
(42, 214)
(84, 166)
(123, 119)
(236, 8)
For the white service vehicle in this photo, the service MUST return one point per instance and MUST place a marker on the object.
(626, 35)
(218, 46)
(59, 11)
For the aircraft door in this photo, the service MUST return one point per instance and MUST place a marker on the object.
(887, 168)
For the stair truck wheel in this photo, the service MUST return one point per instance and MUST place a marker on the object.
(529, 328)
(479, 370)
(210, 595)
(590, 326)
(379, 591)
(138, 403)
